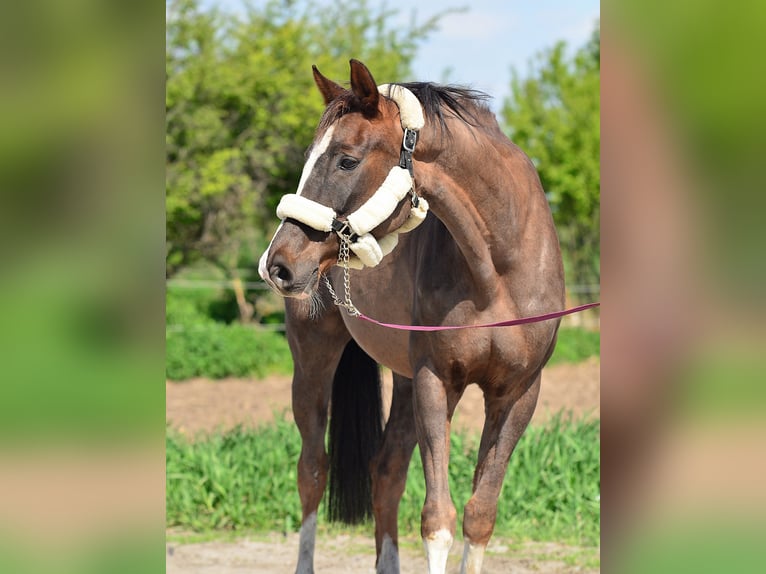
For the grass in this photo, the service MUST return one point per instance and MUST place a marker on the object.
(245, 480)
(217, 350)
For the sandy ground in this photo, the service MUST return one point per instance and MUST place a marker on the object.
(356, 554)
(201, 406)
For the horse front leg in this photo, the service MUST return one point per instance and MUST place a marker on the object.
(310, 399)
(506, 420)
(389, 475)
(433, 412)
(316, 347)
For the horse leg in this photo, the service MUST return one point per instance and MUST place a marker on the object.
(310, 400)
(316, 352)
(389, 475)
(433, 411)
(505, 422)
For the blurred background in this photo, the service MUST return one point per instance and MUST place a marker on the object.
(107, 203)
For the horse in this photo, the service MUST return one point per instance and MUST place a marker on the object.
(414, 205)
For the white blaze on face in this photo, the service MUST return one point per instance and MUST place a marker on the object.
(314, 156)
(262, 271)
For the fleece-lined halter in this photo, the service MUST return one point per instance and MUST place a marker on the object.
(354, 230)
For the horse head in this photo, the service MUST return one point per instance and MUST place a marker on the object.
(353, 185)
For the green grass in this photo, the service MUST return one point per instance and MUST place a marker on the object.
(576, 344)
(245, 480)
(218, 350)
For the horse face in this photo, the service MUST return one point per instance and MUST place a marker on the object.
(350, 157)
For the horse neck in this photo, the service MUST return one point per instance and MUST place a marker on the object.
(481, 188)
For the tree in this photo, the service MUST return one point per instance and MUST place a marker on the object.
(241, 108)
(553, 115)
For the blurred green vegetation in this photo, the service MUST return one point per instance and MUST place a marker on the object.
(699, 59)
(81, 287)
(707, 543)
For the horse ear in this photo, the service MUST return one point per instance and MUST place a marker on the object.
(329, 89)
(365, 89)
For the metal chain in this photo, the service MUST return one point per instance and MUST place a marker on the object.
(343, 258)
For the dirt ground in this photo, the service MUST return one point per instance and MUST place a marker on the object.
(356, 554)
(200, 406)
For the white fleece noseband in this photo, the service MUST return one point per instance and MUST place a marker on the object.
(368, 250)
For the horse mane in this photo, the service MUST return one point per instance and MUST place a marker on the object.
(466, 104)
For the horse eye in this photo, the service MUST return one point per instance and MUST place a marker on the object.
(348, 163)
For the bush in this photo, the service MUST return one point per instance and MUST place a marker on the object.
(184, 309)
(217, 350)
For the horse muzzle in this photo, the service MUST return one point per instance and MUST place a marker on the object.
(288, 279)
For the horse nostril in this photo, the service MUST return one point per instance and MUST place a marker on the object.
(281, 275)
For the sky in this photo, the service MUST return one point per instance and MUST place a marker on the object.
(479, 47)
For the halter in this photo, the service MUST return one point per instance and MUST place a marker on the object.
(354, 230)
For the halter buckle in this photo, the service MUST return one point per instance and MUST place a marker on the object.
(409, 140)
(408, 146)
(344, 231)
(414, 198)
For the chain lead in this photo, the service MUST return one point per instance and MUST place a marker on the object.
(343, 258)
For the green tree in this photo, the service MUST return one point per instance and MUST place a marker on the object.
(553, 115)
(241, 108)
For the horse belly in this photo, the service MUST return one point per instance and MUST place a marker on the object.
(388, 347)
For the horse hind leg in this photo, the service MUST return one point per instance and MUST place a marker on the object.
(505, 422)
(389, 475)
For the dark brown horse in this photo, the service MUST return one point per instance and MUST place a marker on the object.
(443, 221)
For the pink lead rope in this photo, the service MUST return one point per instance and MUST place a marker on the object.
(343, 258)
(510, 323)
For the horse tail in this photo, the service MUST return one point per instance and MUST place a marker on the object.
(356, 431)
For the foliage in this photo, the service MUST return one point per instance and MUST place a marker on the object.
(575, 344)
(188, 307)
(241, 109)
(246, 480)
(553, 115)
(203, 340)
(218, 350)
